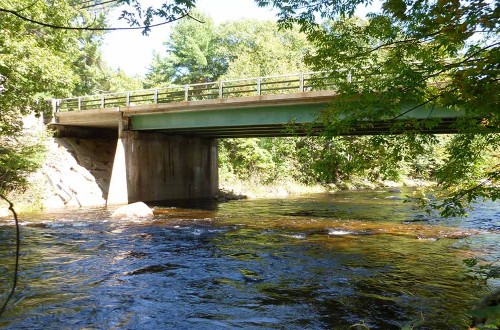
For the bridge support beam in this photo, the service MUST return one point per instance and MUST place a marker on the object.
(154, 166)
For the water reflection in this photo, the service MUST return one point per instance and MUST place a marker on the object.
(323, 261)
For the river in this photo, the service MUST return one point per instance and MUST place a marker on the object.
(324, 261)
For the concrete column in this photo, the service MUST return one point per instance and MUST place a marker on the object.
(162, 167)
(118, 187)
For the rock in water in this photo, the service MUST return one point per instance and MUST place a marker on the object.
(134, 210)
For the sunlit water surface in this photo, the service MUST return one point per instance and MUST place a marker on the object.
(318, 261)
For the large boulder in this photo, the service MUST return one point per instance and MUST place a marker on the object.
(134, 210)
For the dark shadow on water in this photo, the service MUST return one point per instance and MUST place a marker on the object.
(208, 204)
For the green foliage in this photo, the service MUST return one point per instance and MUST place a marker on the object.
(193, 54)
(409, 53)
(255, 48)
(39, 62)
(160, 72)
(119, 81)
(20, 154)
(88, 65)
(259, 48)
(136, 14)
(336, 160)
(482, 270)
(34, 63)
(486, 314)
(199, 52)
(246, 158)
(438, 54)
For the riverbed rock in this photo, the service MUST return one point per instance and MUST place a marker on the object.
(391, 184)
(397, 198)
(134, 210)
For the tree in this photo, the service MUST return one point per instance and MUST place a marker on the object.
(119, 81)
(444, 53)
(192, 54)
(89, 67)
(259, 48)
(34, 63)
(137, 17)
(201, 52)
(48, 49)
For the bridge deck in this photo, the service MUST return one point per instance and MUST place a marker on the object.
(195, 116)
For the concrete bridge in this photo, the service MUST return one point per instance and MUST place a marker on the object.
(167, 137)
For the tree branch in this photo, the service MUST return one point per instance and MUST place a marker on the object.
(469, 192)
(28, 6)
(86, 6)
(90, 28)
(18, 244)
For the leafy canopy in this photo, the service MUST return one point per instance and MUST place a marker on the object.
(432, 53)
(38, 62)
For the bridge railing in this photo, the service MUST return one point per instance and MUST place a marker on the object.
(281, 84)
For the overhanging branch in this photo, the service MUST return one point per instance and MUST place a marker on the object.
(18, 244)
(90, 27)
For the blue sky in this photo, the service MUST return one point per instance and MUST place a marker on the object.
(132, 52)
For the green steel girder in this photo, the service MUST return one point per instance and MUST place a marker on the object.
(236, 117)
(242, 121)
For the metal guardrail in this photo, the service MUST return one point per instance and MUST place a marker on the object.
(281, 84)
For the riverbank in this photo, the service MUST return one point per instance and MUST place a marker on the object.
(234, 189)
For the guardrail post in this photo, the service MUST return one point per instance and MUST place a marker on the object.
(128, 99)
(102, 101)
(54, 110)
(156, 96)
(80, 103)
(54, 106)
(186, 92)
(301, 87)
(349, 77)
(259, 81)
(221, 89)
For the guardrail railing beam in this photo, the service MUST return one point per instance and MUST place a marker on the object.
(286, 83)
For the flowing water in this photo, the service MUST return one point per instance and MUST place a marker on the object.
(319, 261)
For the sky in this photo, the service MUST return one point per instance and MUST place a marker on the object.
(132, 52)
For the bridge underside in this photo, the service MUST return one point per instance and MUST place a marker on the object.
(280, 120)
(445, 126)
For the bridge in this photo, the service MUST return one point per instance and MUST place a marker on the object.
(167, 137)
(252, 107)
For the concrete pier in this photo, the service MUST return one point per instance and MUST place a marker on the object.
(152, 166)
